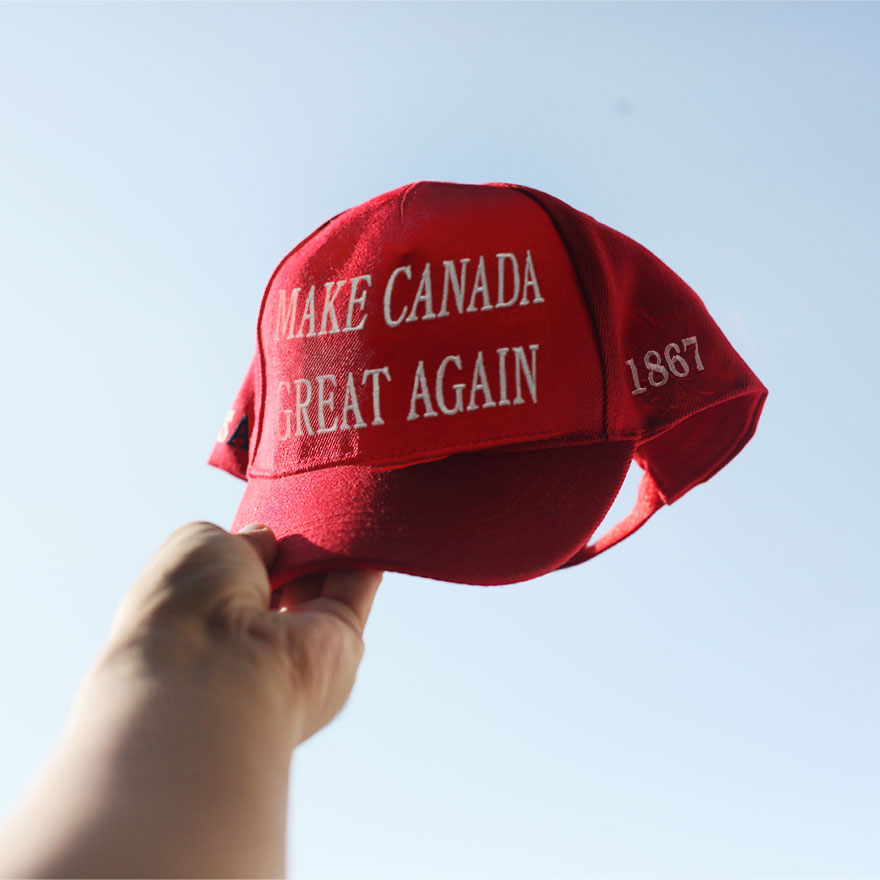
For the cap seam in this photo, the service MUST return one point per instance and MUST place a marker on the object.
(259, 402)
(590, 305)
(451, 449)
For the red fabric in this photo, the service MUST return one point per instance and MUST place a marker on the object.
(451, 380)
(691, 425)
(375, 240)
(232, 445)
(648, 502)
(474, 518)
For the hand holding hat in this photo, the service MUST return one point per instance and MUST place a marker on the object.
(174, 761)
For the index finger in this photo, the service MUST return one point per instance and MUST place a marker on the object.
(262, 539)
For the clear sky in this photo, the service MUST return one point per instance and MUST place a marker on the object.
(700, 701)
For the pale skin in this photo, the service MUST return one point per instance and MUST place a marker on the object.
(175, 758)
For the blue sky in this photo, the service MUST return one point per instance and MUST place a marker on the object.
(700, 701)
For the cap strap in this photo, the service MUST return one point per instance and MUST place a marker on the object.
(648, 502)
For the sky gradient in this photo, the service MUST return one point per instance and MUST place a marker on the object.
(700, 701)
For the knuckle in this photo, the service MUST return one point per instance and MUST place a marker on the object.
(199, 554)
(188, 538)
(199, 530)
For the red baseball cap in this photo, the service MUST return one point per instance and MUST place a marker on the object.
(451, 380)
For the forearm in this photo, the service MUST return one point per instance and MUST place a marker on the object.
(176, 755)
(154, 784)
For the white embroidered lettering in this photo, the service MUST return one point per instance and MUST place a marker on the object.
(450, 279)
(308, 314)
(324, 402)
(393, 322)
(501, 302)
(503, 400)
(420, 392)
(375, 374)
(286, 314)
(350, 405)
(521, 367)
(357, 299)
(285, 412)
(458, 388)
(480, 382)
(530, 279)
(330, 307)
(302, 415)
(481, 286)
(223, 433)
(676, 364)
(423, 295)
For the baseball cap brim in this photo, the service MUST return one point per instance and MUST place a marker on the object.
(479, 518)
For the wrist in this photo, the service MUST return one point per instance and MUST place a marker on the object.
(160, 774)
(204, 697)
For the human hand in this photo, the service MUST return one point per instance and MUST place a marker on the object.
(206, 591)
(175, 758)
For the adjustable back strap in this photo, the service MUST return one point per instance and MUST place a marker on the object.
(648, 502)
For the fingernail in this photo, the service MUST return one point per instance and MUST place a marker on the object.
(254, 527)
